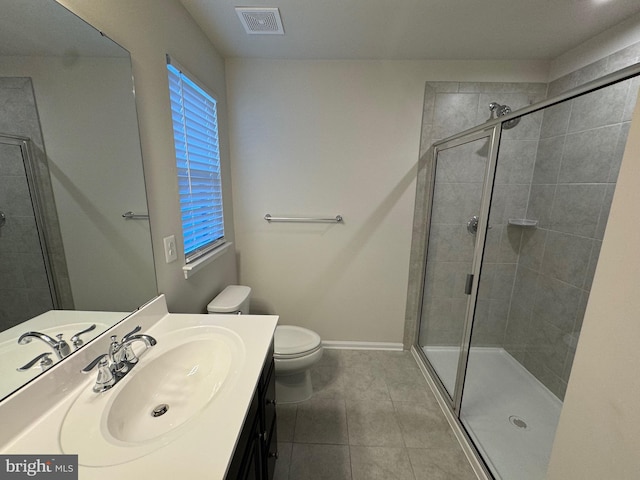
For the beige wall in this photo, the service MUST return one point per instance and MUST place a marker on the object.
(334, 137)
(149, 29)
(598, 435)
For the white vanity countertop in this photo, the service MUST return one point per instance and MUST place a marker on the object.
(204, 448)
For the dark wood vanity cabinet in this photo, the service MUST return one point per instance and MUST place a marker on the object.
(256, 451)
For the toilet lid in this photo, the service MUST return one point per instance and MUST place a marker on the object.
(289, 340)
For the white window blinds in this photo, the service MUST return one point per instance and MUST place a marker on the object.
(195, 134)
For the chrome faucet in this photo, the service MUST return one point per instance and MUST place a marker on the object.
(59, 346)
(118, 361)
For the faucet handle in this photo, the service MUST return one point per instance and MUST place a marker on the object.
(43, 358)
(76, 340)
(105, 379)
(132, 332)
(102, 360)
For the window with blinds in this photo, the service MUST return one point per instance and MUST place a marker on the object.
(195, 134)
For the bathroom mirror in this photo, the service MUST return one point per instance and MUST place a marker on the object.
(70, 168)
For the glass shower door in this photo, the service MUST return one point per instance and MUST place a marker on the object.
(459, 169)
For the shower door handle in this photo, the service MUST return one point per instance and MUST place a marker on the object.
(3, 218)
(468, 284)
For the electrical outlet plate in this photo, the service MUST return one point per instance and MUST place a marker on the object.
(170, 251)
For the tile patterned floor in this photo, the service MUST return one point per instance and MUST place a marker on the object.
(372, 417)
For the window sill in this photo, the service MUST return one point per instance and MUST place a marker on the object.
(191, 268)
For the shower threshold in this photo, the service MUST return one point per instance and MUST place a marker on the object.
(510, 416)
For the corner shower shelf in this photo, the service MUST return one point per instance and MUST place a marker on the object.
(523, 222)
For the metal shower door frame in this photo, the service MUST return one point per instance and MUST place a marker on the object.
(26, 150)
(492, 134)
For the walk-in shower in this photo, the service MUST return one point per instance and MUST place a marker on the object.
(510, 217)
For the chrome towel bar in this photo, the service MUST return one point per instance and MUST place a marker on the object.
(135, 216)
(336, 219)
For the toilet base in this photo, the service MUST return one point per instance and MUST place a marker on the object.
(294, 388)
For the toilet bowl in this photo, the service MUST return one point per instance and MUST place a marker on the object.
(296, 349)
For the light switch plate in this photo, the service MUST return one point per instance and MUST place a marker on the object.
(170, 251)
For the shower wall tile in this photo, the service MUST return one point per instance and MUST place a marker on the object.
(564, 257)
(509, 244)
(504, 278)
(463, 164)
(525, 288)
(12, 165)
(492, 243)
(490, 321)
(587, 156)
(20, 235)
(487, 277)
(541, 203)
(576, 208)
(604, 211)
(516, 333)
(560, 85)
(590, 72)
(450, 243)
(33, 270)
(556, 303)
(600, 108)
(428, 107)
(446, 319)
(538, 89)
(440, 278)
(509, 201)
(15, 197)
(532, 248)
(516, 160)
(455, 203)
(455, 113)
(444, 87)
(555, 120)
(632, 97)
(12, 311)
(548, 160)
(616, 160)
(547, 347)
(623, 58)
(11, 271)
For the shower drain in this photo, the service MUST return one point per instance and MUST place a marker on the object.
(518, 422)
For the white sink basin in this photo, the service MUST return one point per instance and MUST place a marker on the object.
(178, 378)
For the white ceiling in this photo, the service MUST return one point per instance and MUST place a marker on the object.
(413, 29)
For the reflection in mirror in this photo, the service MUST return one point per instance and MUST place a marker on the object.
(70, 167)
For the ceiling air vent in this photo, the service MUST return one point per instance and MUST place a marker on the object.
(261, 21)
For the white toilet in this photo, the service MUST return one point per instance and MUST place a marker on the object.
(296, 349)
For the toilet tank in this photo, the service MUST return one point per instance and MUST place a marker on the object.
(233, 299)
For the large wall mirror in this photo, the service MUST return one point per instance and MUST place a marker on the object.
(70, 168)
